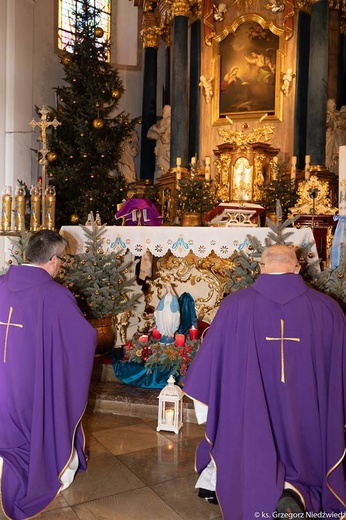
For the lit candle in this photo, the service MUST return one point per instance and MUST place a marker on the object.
(178, 163)
(155, 334)
(193, 333)
(193, 160)
(179, 340)
(169, 415)
(342, 180)
(207, 169)
(307, 167)
(293, 168)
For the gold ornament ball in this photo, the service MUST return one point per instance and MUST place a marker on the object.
(89, 277)
(66, 59)
(116, 93)
(83, 262)
(98, 32)
(340, 275)
(97, 293)
(52, 156)
(74, 218)
(98, 123)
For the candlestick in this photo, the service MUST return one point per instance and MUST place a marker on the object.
(19, 208)
(307, 167)
(169, 416)
(293, 168)
(179, 340)
(35, 207)
(193, 333)
(50, 207)
(6, 209)
(342, 180)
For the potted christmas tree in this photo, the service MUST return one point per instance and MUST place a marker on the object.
(279, 188)
(194, 197)
(100, 285)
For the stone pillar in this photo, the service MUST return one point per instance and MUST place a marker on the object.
(318, 81)
(302, 78)
(195, 72)
(180, 88)
(150, 38)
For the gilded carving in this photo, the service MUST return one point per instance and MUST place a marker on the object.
(223, 167)
(150, 37)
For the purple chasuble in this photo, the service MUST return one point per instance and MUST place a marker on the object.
(47, 351)
(272, 370)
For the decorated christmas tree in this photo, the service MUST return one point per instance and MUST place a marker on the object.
(85, 148)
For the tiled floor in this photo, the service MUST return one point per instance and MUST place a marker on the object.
(135, 473)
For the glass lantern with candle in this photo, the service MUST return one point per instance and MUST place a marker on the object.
(170, 413)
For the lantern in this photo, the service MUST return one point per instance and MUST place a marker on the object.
(170, 417)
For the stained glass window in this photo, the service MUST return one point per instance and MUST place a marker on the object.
(101, 10)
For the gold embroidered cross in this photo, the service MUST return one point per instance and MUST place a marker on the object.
(9, 324)
(282, 339)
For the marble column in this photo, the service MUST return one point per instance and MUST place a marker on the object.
(302, 81)
(195, 72)
(150, 38)
(180, 85)
(318, 81)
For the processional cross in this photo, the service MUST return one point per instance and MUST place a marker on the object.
(44, 124)
(282, 339)
(9, 324)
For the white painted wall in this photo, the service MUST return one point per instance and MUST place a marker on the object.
(30, 69)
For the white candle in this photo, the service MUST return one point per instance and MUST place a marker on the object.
(207, 160)
(170, 417)
(294, 160)
(342, 180)
(178, 161)
(193, 160)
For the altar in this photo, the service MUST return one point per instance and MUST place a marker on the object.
(190, 259)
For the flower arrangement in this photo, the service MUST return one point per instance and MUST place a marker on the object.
(175, 356)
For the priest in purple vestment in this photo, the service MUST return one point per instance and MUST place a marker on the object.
(272, 372)
(47, 351)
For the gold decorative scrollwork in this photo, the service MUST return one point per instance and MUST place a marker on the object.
(204, 277)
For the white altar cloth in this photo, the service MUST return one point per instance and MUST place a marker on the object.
(181, 240)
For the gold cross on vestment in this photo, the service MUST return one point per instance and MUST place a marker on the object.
(282, 339)
(8, 324)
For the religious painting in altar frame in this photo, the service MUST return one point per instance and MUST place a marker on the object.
(247, 66)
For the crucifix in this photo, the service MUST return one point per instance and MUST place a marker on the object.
(44, 124)
(282, 339)
(9, 324)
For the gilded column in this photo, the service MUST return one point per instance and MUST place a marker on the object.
(318, 81)
(180, 89)
(150, 37)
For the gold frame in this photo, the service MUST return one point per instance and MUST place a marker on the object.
(276, 113)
